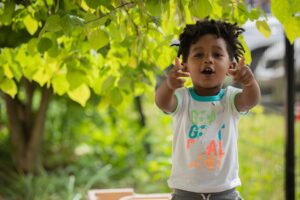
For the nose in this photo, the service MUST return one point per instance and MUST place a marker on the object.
(208, 59)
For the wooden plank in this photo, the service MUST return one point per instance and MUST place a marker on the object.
(148, 197)
(109, 194)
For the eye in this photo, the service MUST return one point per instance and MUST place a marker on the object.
(217, 54)
(198, 55)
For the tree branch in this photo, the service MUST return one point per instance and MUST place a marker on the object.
(15, 124)
(104, 15)
(39, 122)
(29, 90)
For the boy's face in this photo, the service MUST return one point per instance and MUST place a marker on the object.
(208, 62)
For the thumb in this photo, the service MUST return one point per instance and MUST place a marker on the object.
(241, 63)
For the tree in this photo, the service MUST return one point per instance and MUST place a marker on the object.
(111, 48)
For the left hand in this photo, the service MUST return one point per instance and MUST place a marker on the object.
(242, 74)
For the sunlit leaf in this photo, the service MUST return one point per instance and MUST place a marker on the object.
(200, 8)
(8, 86)
(42, 76)
(80, 94)
(60, 84)
(7, 72)
(247, 54)
(263, 27)
(30, 24)
(98, 39)
(76, 78)
(287, 12)
(292, 29)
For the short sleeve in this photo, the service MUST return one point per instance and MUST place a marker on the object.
(179, 93)
(232, 94)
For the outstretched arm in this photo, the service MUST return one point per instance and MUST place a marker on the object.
(164, 95)
(250, 95)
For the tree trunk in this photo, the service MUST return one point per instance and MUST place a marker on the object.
(142, 122)
(27, 126)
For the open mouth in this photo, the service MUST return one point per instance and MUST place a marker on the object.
(207, 71)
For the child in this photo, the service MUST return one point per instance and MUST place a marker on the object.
(204, 158)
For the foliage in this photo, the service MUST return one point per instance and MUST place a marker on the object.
(288, 13)
(79, 46)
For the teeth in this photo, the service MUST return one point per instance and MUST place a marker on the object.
(207, 70)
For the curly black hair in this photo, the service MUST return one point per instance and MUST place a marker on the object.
(229, 32)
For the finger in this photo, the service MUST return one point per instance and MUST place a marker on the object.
(181, 73)
(177, 64)
(243, 74)
(241, 63)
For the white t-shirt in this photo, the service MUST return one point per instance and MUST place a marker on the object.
(204, 153)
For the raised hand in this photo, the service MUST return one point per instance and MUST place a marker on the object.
(176, 76)
(242, 74)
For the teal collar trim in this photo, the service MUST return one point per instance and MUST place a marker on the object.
(217, 97)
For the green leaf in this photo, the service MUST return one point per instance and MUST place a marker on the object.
(292, 29)
(1, 73)
(44, 44)
(200, 8)
(8, 86)
(263, 27)
(98, 39)
(254, 14)
(53, 24)
(116, 97)
(76, 78)
(71, 22)
(287, 12)
(42, 76)
(60, 84)
(80, 94)
(30, 24)
(7, 72)
(31, 46)
(108, 83)
(247, 53)
(125, 83)
(93, 3)
(9, 8)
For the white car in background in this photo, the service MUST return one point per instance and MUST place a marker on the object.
(257, 42)
(268, 63)
(270, 73)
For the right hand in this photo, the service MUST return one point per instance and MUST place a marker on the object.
(175, 76)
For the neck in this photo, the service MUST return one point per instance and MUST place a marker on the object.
(207, 91)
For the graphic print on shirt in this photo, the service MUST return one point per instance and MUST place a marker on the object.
(206, 141)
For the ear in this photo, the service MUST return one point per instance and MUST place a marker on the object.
(231, 66)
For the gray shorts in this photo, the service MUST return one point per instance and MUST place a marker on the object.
(231, 194)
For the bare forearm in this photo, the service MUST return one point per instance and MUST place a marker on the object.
(164, 98)
(249, 97)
